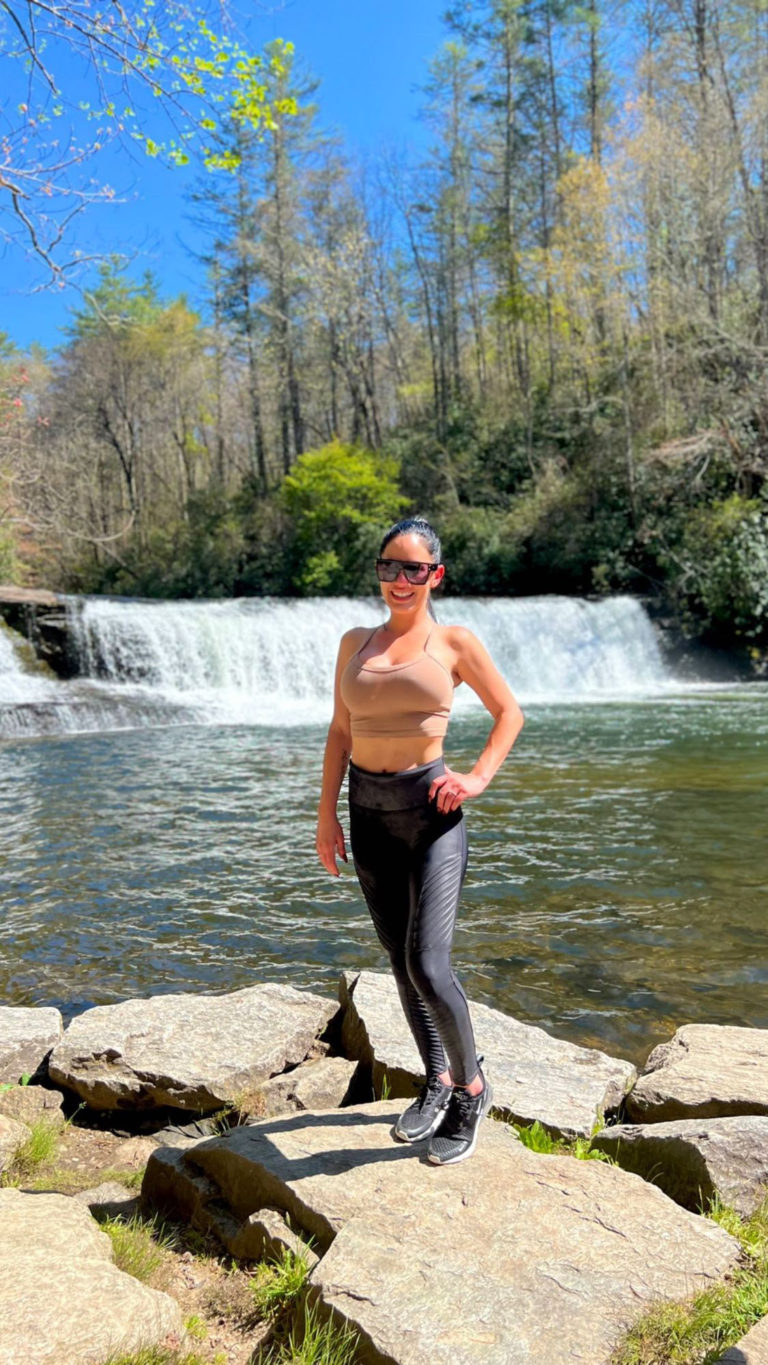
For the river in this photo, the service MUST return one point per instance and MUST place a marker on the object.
(158, 819)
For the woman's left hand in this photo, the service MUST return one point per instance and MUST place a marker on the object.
(450, 789)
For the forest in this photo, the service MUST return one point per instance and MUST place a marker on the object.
(547, 331)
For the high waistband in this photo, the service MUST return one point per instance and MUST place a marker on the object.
(405, 790)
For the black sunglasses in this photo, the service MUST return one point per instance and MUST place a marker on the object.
(388, 570)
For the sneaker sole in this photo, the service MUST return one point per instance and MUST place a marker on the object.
(463, 1156)
(428, 1132)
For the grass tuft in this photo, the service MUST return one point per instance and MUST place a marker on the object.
(37, 1151)
(139, 1244)
(313, 1341)
(698, 1331)
(536, 1138)
(277, 1285)
(163, 1355)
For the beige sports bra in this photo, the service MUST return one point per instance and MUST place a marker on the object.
(400, 700)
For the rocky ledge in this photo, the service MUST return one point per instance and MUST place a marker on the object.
(514, 1255)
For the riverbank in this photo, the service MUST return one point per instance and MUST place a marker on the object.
(264, 1118)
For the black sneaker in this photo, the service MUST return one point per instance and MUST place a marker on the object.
(457, 1138)
(423, 1118)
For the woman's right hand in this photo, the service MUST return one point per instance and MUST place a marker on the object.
(329, 842)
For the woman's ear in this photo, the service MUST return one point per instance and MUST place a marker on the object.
(438, 575)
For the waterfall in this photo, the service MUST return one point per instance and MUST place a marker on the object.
(271, 661)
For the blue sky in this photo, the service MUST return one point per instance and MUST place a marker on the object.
(370, 57)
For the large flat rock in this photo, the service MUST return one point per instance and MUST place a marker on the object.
(187, 1051)
(704, 1071)
(509, 1256)
(535, 1076)
(751, 1350)
(61, 1296)
(694, 1160)
(27, 1035)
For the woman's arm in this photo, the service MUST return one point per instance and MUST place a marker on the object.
(476, 668)
(329, 839)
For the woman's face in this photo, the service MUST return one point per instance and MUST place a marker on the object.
(402, 596)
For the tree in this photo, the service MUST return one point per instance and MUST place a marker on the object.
(166, 55)
(340, 499)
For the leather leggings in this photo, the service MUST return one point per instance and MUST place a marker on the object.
(410, 861)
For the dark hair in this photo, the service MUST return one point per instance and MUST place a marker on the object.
(415, 526)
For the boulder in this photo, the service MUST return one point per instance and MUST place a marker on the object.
(110, 1200)
(27, 1035)
(512, 1255)
(27, 1103)
(535, 1076)
(751, 1350)
(61, 1296)
(694, 1160)
(12, 1134)
(703, 1072)
(194, 1052)
(324, 1084)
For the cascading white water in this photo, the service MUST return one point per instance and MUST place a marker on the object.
(271, 661)
(19, 686)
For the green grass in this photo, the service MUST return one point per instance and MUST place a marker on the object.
(699, 1330)
(36, 1151)
(386, 1093)
(313, 1341)
(276, 1286)
(536, 1138)
(164, 1355)
(139, 1244)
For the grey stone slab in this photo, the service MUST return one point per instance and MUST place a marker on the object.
(27, 1103)
(110, 1199)
(61, 1296)
(194, 1052)
(509, 1256)
(704, 1071)
(321, 1084)
(751, 1350)
(27, 1035)
(694, 1160)
(12, 1135)
(534, 1076)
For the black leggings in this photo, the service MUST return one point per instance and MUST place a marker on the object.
(410, 861)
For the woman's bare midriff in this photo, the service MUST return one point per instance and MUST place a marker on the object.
(394, 755)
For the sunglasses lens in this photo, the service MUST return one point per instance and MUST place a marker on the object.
(416, 573)
(389, 569)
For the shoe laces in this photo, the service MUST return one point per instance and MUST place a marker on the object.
(431, 1087)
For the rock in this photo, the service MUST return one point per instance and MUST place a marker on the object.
(26, 1037)
(110, 1200)
(12, 1134)
(172, 1187)
(693, 1160)
(61, 1296)
(751, 1350)
(704, 1071)
(26, 1103)
(324, 1084)
(194, 1052)
(265, 1235)
(567, 1088)
(512, 1255)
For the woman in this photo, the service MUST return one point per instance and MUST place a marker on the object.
(392, 698)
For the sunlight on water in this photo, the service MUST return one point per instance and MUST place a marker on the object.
(617, 883)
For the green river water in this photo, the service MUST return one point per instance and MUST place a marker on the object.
(618, 881)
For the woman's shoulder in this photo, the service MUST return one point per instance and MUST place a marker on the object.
(353, 639)
(458, 638)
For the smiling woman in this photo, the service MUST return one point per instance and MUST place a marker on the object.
(393, 693)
